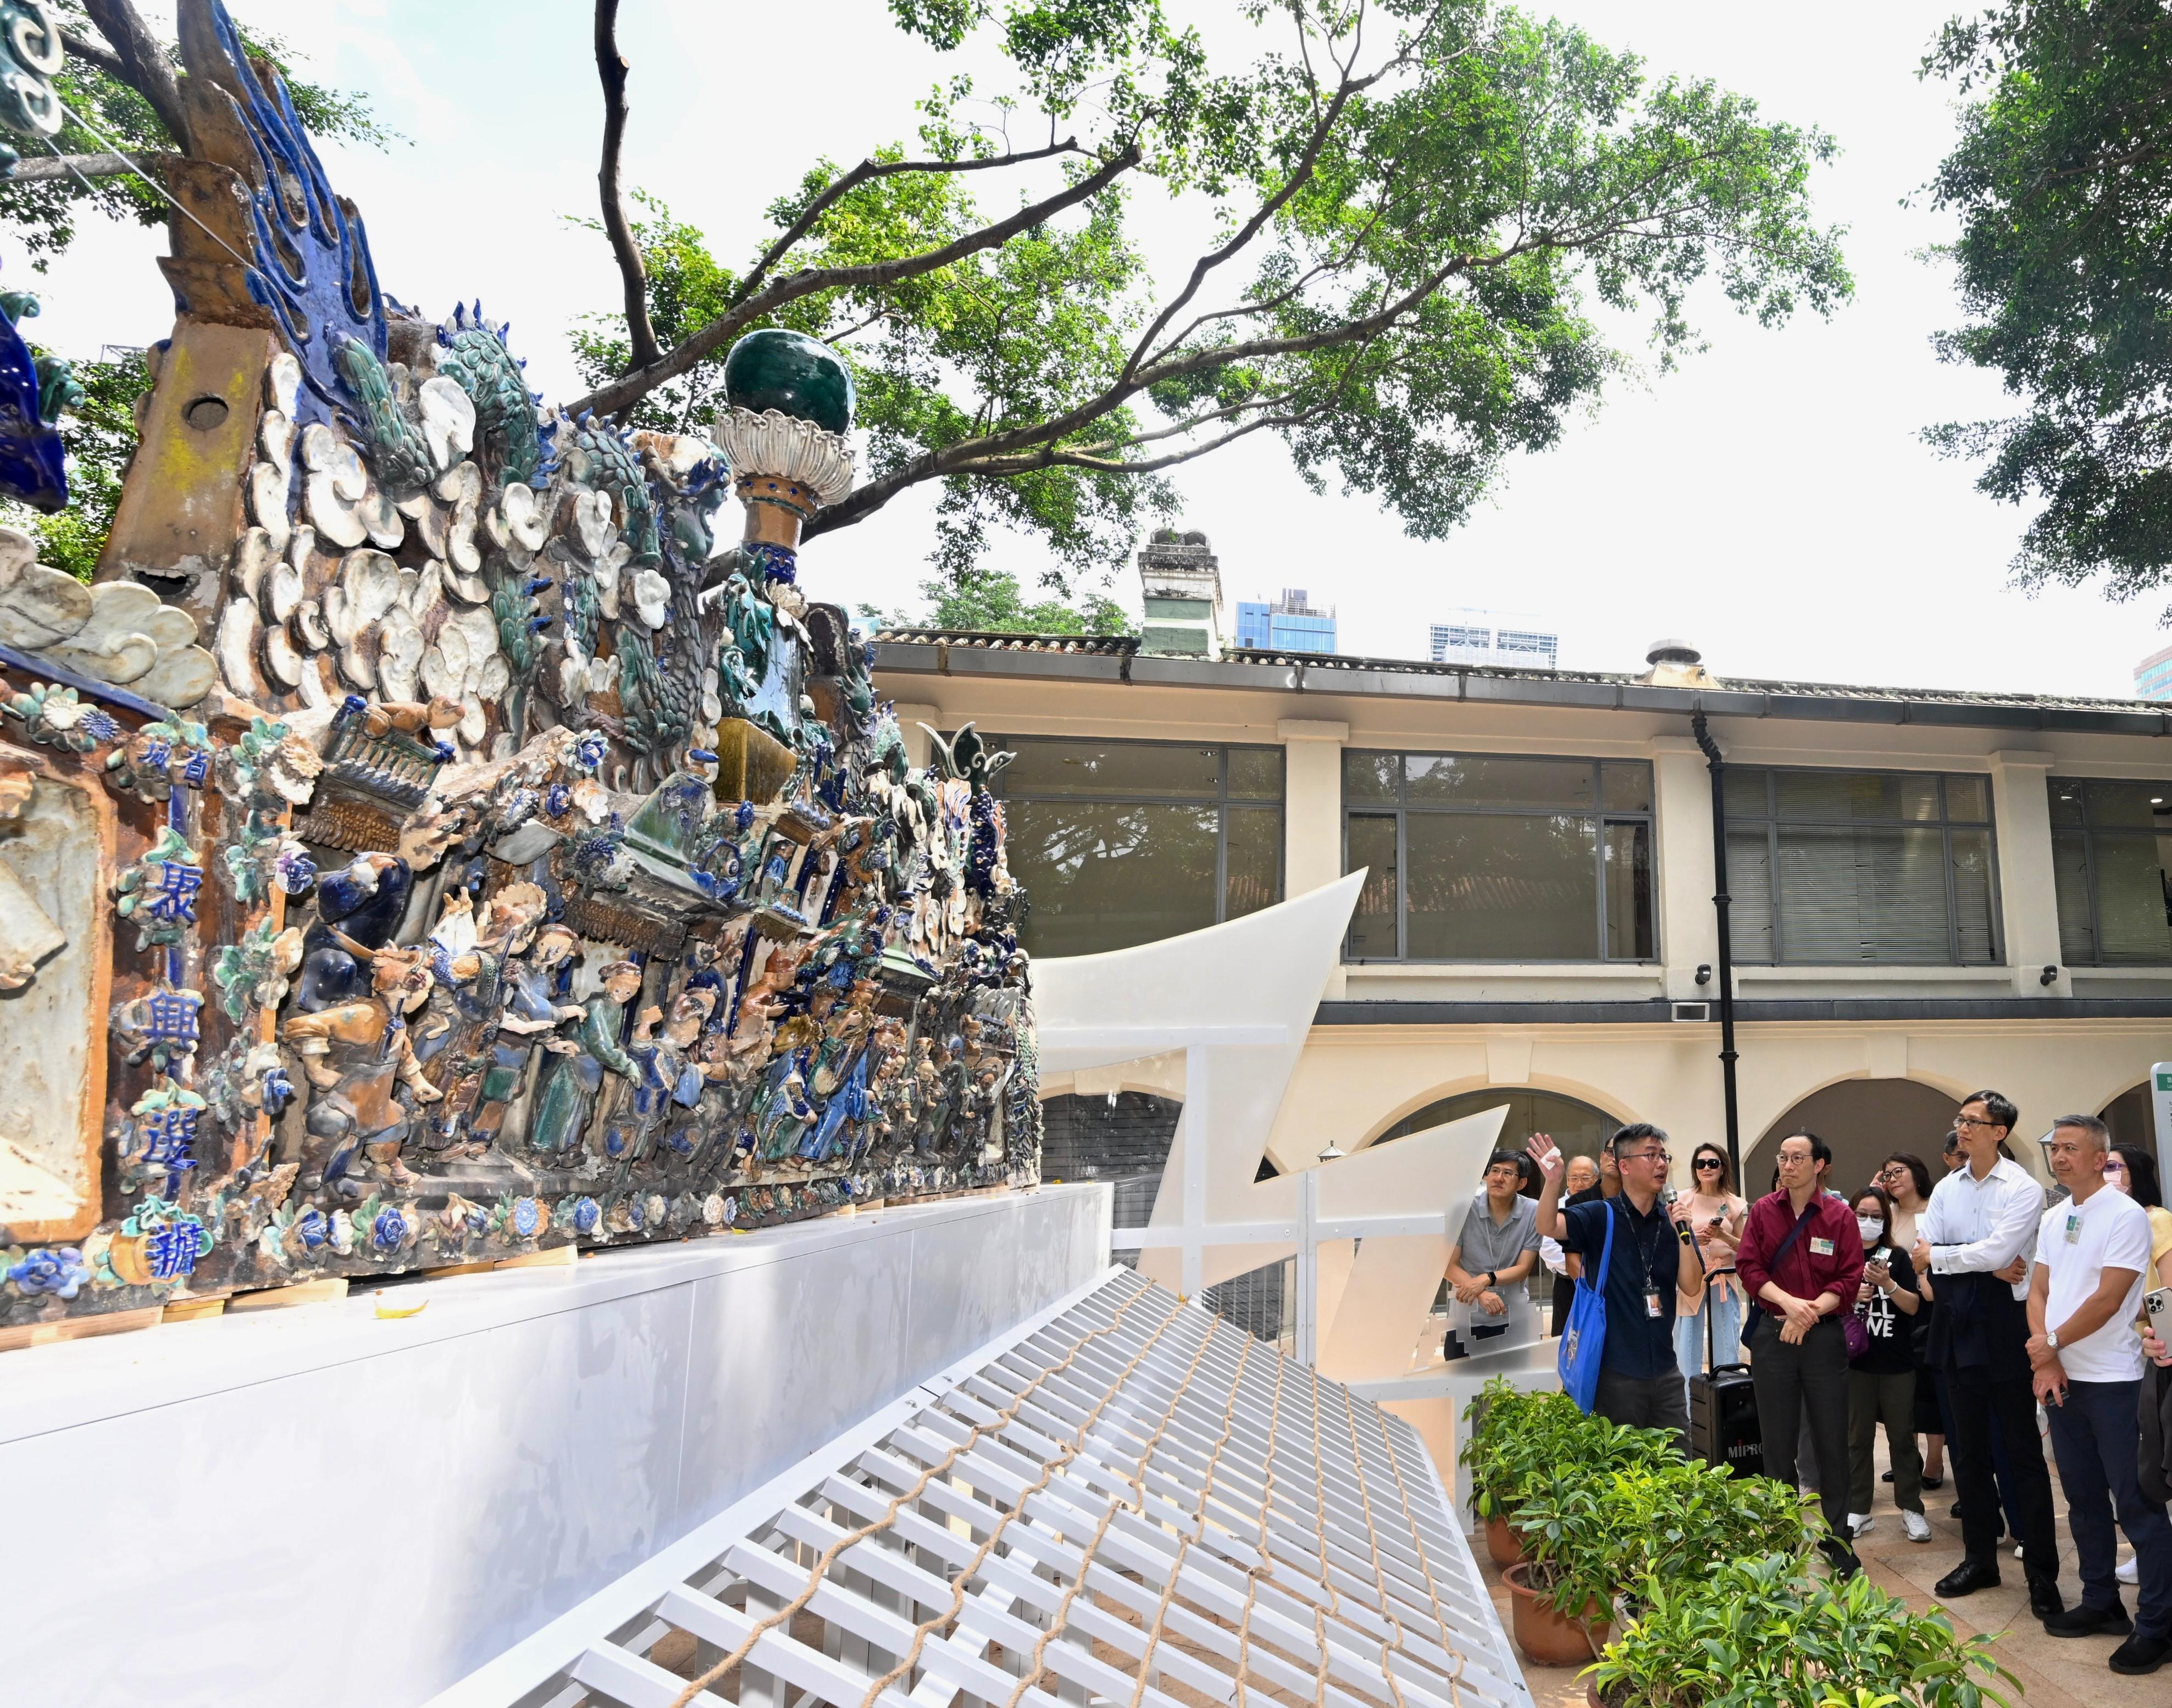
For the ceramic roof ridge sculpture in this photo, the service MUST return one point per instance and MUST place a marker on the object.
(516, 863)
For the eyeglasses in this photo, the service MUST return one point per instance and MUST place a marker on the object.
(1647, 1157)
(1973, 1121)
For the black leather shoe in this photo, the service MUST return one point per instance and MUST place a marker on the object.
(2139, 1654)
(2045, 1600)
(2087, 1621)
(1966, 1579)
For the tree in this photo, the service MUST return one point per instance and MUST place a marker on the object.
(1409, 203)
(99, 435)
(992, 601)
(2062, 180)
(120, 87)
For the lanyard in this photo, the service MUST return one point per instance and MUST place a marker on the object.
(1648, 1258)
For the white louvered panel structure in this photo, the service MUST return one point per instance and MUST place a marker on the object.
(1127, 1504)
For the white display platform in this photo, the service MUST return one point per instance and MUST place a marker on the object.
(319, 1505)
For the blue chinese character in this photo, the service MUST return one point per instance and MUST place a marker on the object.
(173, 1248)
(198, 768)
(176, 896)
(173, 1016)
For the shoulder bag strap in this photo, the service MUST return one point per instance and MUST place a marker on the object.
(1795, 1234)
(1605, 1250)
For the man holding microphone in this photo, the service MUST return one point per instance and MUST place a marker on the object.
(1655, 1260)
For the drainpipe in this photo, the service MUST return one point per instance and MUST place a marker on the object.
(1720, 903)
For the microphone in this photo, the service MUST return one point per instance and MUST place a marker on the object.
(1682, 1231)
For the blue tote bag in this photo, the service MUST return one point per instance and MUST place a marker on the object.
(1583, 1342)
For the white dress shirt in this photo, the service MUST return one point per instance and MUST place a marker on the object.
(1975, 1225)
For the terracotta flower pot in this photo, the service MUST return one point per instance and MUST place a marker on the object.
(1504, 1545)
(1547, 1638)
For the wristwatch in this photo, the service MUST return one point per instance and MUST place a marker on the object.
(1492, 1279)
(2051, 1339)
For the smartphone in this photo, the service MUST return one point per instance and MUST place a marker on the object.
(2158, 1302)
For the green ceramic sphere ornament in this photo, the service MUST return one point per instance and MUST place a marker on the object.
(791, 374)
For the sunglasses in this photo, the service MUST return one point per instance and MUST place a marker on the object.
(1710, 1162)
(2114, 1168)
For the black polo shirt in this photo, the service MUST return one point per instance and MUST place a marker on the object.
(1645, 1254)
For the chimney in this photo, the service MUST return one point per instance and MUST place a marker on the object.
(1181, 581)
(1675, 664)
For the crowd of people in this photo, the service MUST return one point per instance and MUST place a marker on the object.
(1959, 1309)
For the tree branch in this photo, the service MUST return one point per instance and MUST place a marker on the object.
(96, 53)
(37, 169)
(611, 70)
(139, 60)
(866, 172)
(611, 399)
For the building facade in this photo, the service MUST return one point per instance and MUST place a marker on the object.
(1513, 640)
(2152, 676)
(1291, 624)
(1931, 892)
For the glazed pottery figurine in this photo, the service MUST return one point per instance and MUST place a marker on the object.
(568, 1096)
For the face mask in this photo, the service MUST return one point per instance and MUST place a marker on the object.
(1871, 1230)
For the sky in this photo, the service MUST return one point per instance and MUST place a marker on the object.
(1771, 501)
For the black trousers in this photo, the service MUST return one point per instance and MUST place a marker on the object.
(1982, 1405)
(1806, 1382)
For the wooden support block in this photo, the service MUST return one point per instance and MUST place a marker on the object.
(556, 1257)
(79, 1327)
(188, 1310)
(309, 1292)
(482, 1268)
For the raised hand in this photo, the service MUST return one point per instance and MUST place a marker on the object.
(1542, 1150)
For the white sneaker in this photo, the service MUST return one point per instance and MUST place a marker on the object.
(1914, 1526)
(2130, 1569)
(1861, 1523)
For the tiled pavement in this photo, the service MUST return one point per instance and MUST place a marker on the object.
(2054, 1672)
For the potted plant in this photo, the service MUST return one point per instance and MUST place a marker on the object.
(1764, 1633)
(1681, 1521)
(1563, 1590)
(1516, 1439)
(1519, 1441)
(1592, 1535)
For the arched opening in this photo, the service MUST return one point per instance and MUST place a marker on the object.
(2133, 1119)
(1864, 1120)
(1576, 1127)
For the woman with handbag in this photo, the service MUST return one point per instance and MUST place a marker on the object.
(1881, 1373)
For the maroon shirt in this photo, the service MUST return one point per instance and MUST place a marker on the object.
(1825, 1258)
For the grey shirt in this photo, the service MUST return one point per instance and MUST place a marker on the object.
(1485, 1244)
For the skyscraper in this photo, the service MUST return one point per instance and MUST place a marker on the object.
(1291, 624)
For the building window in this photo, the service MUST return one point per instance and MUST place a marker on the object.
(1530, 641)
(1118, 843)
(2112, 851)
(1490, 858)
(1829, 868)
